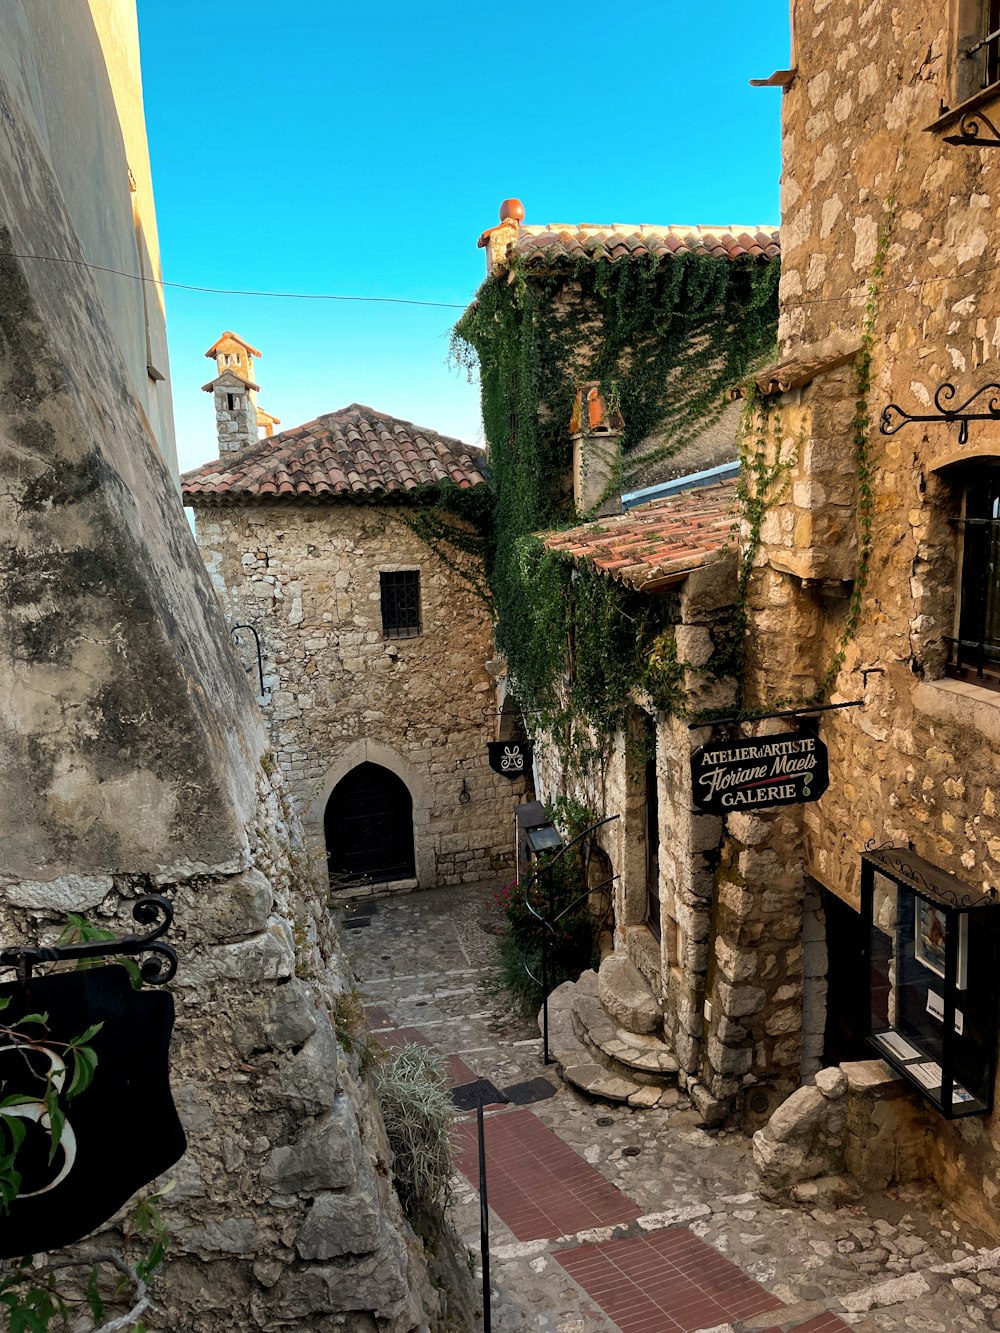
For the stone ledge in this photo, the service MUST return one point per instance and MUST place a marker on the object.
(961, 703)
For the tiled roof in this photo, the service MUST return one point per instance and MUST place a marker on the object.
(656, 544)
(355, 453)
(558, 242)
(229, 338)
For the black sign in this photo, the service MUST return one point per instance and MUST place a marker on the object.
(753, 774)
(512, 759)
(120, 1133)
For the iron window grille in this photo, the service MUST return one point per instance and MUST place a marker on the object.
(400, 603)
(984, 53)
(975, 649)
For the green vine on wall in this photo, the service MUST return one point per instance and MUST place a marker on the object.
(670, 336)
(762, 482)
(861, 435)
(457, 526)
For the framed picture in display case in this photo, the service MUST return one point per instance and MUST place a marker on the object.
(929, 934)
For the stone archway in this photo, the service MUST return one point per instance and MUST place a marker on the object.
(368, 826)
(350, 757)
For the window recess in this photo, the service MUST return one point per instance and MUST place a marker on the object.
(974, 648)
(400, 591)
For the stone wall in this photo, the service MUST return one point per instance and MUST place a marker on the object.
(72, 73)
(340, 693)
(917, 764)
(676, 965)
(134, 758)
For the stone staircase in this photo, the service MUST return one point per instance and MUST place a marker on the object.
(602, 1035)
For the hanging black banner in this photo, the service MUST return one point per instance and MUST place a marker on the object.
(754, 774)
(512, 759)
(120, 1133)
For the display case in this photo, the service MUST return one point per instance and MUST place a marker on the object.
(931, 962)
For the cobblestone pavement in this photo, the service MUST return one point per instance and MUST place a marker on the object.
(898, 1262)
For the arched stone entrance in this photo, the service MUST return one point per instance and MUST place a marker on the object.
(368, 826)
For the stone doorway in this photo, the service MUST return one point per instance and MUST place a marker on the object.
(368, 825)
(847, 989)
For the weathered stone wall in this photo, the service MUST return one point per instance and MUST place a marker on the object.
(308, 578)
(675, 965)
(918, 763)
(133, 758)
(72, 72)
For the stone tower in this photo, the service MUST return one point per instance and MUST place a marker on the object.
(234, 390)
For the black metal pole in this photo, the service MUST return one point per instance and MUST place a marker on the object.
(546, 1058)
(484, 1219)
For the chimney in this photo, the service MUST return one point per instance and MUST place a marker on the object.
(596, 433)
(234, 393)
(499, 241)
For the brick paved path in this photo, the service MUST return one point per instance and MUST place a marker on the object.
(610, 1219)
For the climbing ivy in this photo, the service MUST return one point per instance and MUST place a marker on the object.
(670, 336)
(762, 482)
(457, 525)
(861, 435)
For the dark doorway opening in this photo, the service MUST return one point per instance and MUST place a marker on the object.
(369, 827)
(652, 829)
(846, 983)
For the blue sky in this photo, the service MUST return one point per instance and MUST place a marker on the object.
(360, 150)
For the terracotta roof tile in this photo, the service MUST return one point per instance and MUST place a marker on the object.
(657, 544)
(562, 242)
(353, 453)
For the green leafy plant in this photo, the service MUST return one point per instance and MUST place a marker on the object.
(36, 1292)
(666, 338)
(861, 436)
(555, 889)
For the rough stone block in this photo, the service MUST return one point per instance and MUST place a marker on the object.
(291, 1015)
(348, 1223)
(307, 1082)
(832, 1083)
(269, 956)
(375, 1282)
(327, 1156)
(230, 910)
(626, 995)
(68, 893)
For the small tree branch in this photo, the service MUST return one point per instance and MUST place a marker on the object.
(122, 1322)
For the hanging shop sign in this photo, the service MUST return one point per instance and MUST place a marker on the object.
(512, 759)
(122, 1130)
(758, 773)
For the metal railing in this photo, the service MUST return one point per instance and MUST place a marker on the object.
(548, 923)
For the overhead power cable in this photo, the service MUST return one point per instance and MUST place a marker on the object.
(854, 294)
(233, 291)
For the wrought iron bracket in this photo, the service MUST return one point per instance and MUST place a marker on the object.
(263, 697)
(894, 418)
(969, 135)
(152, 909)
(806, 711)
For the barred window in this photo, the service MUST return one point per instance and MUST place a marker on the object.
(400, 603)
(978, 46)
(975, 649)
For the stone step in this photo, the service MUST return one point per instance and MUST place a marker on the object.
(579, 1068)
(642, 1058)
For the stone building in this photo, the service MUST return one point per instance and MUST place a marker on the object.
(342, 543)
(667, 563)
(876, 577)
(134, 757)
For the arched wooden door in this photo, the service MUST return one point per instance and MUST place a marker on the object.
(369, 826)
